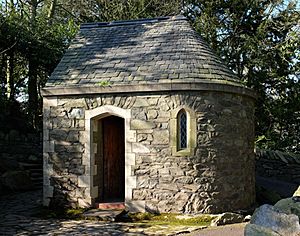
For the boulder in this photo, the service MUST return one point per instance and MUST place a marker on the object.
(272, 218)
(227, 218)
(289, 206)
(16, 180)
(257, 230)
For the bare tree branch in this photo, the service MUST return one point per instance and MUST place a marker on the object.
(5, 50)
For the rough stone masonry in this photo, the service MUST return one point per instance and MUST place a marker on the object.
(213, 173)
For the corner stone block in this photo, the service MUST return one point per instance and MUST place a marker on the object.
(95, 148)
(131, 136)
(45, 134)
(46, 201)
(47, 102)
(48, 146)
(95, 170)
(130, 159)
(47, 172)
(47, 191)
(130, 182)
(128, 193)
(84, 181)
(128, 170)
(94, 192)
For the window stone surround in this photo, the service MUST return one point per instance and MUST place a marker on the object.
(191, 132)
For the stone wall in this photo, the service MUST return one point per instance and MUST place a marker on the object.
(19, 153)
(278, 165)
(20, 147)
(217, 176)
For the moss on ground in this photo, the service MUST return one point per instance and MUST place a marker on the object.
(146, 219)
(171, 219)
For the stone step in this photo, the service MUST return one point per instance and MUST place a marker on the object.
(36, 174)
(110, 206)
(40, 170)
(37, 180)
(26, 165)
(38, 186)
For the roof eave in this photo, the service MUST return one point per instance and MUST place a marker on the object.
(205, 85)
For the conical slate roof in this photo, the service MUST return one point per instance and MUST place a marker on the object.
(138, 52)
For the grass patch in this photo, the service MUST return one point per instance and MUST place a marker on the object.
(171, 219)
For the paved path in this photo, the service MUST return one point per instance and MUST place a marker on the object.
(227, 230)
(18, 217)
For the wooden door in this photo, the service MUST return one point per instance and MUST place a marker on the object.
(113, 159)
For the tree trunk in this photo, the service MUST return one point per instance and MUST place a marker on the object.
(2, 76)
(32, 71)
(33, 8)
(32, 93)
(9, 77)
(51, 10)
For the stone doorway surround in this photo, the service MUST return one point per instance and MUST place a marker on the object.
(91, 118)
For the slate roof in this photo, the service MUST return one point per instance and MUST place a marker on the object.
(160, 50)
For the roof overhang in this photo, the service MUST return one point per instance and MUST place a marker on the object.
(205, 85)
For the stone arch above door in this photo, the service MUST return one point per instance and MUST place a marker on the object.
(91, 118)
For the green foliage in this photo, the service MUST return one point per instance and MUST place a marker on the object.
(259, 40)
(33, 46)
(133, 9)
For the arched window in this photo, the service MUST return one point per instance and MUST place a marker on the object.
(182, 130)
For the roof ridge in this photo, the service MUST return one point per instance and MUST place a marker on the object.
(131, 22)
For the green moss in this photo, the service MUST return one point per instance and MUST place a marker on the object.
(74, 213)
(137, 217)
(170, 219)
(103, 83)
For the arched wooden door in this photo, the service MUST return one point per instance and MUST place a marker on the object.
(112, 168)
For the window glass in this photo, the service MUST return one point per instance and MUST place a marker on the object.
(182, 128)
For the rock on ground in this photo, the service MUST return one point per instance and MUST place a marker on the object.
(227, 218)
(272, 218)
(289, 206)
(257, 230)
